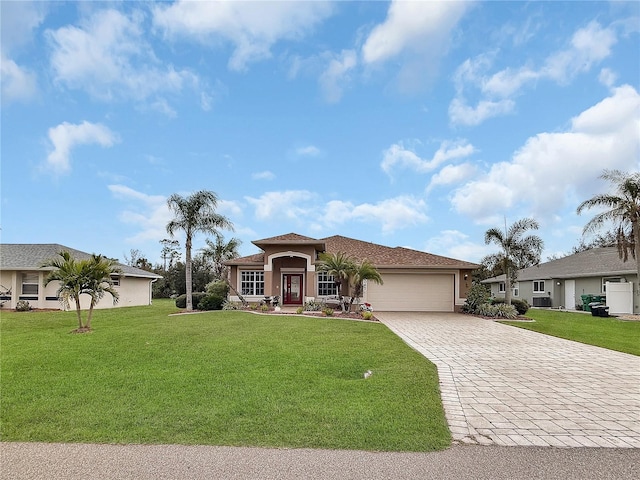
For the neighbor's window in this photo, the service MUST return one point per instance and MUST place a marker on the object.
(538, 286)
(30, 283)
(515, 290)
(501, 287)
(115, 280)
(252, 282)
(612, 280)
(326, 285)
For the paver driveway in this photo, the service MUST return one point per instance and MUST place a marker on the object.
(508, 386)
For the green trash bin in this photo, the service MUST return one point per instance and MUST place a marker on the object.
(586, 300)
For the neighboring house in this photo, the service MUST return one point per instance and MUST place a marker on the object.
(22, 278)
(562, 282)
(413, 280)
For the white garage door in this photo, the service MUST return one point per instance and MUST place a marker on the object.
(404, 292)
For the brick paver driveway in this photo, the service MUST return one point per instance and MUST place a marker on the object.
(507, 386)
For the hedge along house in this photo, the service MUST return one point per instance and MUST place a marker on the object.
(413, 280)
(22, 278)
(561, 283)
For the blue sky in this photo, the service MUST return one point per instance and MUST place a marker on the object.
(416, 124)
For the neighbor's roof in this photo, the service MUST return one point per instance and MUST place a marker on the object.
(379, 255)
(595, 262)
(30, 256)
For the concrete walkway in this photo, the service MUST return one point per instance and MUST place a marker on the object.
(508, 386)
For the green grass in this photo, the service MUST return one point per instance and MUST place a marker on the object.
(216, 378)
(607, 332)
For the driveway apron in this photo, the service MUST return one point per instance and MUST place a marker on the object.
(503, 385)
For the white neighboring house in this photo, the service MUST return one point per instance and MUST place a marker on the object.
(22, 278)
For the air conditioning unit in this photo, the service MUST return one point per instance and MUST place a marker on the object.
(541, 301)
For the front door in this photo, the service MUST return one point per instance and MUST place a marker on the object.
(292, 289)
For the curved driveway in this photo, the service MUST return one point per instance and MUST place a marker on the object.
(503, 385)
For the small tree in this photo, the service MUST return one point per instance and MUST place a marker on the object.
(219, 252)
(363, 271)
(91, 277)
(340, 266)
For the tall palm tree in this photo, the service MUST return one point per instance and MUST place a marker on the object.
(99, 272)
(518, 251)
(219, 252)
(195, 213)
(363, 271)
(622, 208)
(340, 266)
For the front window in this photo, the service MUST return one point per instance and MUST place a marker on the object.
(538, 286)
(30, 283)
(501, 287)
(115, 280)
(252, 283)
(326, 285)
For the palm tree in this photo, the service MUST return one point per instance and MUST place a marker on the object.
(518, 251)
(195, 213)
(340, 266)
(99, 271)
(69, 273)
(219, 252)
(91, 277)
(363, 271)
(621, 208)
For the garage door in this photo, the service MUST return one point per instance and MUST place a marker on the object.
(404, 292)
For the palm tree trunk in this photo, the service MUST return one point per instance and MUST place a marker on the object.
(78, 312)
(89, 315)
(636, 235)
(189, 281)
(507, 286)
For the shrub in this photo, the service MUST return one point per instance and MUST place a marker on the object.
(299, 310)
(328, 312)
(22, 306)
(211, 302)
(312, 306)
(264, 308)
(254, 306)
(181, 301)
(367, 315)
(477, 295)
(229, 305)
(219, 288)
(521, 305)
(499, 310)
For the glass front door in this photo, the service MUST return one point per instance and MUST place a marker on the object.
(292, 289)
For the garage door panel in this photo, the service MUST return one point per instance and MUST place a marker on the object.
(412, 292)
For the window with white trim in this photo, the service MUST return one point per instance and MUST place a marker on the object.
(502, 287)
(515, 289)
(252, 282)
(538, 286)
(115, 280)
(326, 285)
(30, 283)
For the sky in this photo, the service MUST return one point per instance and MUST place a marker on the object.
(403, 123)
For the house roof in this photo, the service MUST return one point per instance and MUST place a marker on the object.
(379, 255)
(595, 262)
(30, 256)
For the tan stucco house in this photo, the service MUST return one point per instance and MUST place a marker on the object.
(22, 278)
(413, 280)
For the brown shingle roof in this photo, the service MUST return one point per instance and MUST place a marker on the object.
(379, 255)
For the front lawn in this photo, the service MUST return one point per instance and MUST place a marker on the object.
(215, 378)
(607, 332)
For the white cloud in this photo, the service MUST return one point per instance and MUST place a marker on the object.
(265, 175)
(452, 174)
(589, 46)
(413, 26)
(607, 77)
(393, 214)
(291, 204)
(66, 136)
(18, 83)
(308, 151)
(108, 57)
(252, 27)
(455, 244)
(336, 76)
(148, 213)
(552, 168)
(398, 156)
